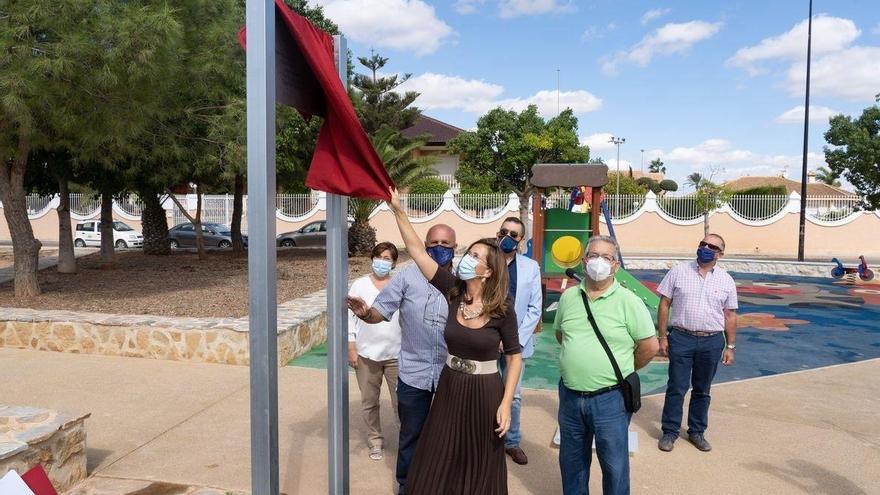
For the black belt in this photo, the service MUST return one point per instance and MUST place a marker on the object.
(596, 392)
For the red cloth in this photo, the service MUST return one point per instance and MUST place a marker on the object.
(345, 161)
(38, 481)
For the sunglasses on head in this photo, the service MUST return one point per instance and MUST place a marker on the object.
(512, 233)
(713, 247)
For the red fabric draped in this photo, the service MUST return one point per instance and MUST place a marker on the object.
(345, 161)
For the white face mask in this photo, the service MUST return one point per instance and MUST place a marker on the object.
(598, 269)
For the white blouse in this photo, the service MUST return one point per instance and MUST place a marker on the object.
(379, 341)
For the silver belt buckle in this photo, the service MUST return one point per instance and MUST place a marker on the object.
(463, 365)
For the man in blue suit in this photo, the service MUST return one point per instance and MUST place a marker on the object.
(525, 292)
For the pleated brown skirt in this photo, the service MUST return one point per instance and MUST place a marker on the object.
(459, 452)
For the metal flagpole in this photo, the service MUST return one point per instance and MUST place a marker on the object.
(337, 319)
(261, 251)
(803, 212)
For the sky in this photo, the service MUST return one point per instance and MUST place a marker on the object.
(709, 86)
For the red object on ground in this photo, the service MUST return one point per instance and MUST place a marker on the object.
(345, 161)
(38, 481)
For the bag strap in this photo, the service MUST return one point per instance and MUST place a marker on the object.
(601, 338)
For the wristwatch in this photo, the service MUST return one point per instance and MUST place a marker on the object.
(731, 346)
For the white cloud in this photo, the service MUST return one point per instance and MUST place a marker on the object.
(654, 14)
(467, 6)
(598, 142)
(478, 96)
(516, 8)
(796, 115)
(597, 32)
(405, 25)
(830, 34)
(729, 162)
(452, 92)
(669, 39)
(580, 101)
(853, 74)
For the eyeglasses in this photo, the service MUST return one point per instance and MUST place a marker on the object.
(713, 247)
(606, 257)
(512, 233)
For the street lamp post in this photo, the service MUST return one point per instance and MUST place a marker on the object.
(617, 141)
(803, 212)
(643, 161)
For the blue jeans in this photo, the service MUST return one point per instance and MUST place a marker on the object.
(692, 362)
(514, 435)
(580, 420)
(413, 405)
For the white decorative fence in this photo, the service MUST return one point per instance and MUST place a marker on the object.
(623, 208)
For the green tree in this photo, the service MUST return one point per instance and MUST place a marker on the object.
(855, 152)
(708, 196)
(377, 102)
(826, 176)
(404, 169)
(84, 74)
(657, 166)
(507, 144)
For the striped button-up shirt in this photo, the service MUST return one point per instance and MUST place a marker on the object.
(423, 310)
(698, 302)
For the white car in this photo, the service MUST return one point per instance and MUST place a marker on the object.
(89, 234)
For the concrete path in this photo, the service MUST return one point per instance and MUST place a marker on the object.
(811, 432)
(7, 273)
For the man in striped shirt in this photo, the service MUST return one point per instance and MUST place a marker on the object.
(700, 332)
(423, 310)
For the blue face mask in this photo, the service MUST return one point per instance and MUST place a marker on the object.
(467, 267)
(508, 244)
(705, 255)
(381, 267)
(441, 254)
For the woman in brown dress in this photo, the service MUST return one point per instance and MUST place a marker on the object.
(461, 447)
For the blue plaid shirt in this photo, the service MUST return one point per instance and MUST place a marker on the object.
(423, 310)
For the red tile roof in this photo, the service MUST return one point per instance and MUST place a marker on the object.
(813, 188)
(440, 132)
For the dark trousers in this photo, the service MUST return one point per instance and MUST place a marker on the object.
(581, 420)
(693, 362)
(413, 405)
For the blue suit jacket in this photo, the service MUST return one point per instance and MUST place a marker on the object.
(528, 304)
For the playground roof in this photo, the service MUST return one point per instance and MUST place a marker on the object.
(569, 175)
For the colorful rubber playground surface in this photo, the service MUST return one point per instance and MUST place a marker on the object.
(786, 324)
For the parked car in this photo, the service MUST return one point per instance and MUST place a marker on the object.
(89, 234)
(310, 234)
(214, 234)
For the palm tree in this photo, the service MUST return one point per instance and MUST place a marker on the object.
(826, 176)
(405, 170)
(695, 179)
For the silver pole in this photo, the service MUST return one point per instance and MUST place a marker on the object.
(337, 320)
(261, 253)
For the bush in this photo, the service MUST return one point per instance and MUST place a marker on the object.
(668, 185)
(763, 191)
(627, 185)
(429, 185)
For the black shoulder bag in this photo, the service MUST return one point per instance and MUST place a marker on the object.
(631, 386)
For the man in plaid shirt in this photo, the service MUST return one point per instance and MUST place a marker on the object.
(700, 331)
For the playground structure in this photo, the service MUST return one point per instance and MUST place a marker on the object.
(559, 236)
(861, 270)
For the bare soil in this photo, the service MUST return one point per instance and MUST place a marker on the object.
(176, 285)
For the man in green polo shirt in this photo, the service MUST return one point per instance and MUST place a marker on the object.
(590, 400)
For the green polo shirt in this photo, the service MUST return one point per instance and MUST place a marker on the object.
(623, 320)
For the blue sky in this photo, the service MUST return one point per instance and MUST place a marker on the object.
(710, 86)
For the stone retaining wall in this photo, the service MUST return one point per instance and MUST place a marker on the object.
(30, 436)
(301, 325)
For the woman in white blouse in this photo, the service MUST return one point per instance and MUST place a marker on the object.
(373, 349)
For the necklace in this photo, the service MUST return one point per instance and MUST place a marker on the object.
(468, 314)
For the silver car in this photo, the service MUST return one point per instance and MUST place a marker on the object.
(214, 234)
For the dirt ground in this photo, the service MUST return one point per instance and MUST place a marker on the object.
(175, 285)
(6, 255)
